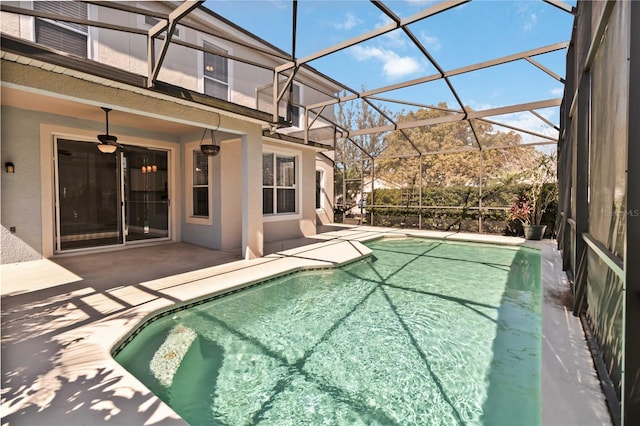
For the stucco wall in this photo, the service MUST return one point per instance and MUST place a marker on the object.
(283, 229)
(324, 215)
(229, 201)
(21, 190)
(194, 233)
(182, 66)
(22, 204)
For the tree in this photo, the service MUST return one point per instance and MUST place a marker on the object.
(440, 168)
(351, 162)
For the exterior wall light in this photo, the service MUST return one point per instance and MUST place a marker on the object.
(9, 167)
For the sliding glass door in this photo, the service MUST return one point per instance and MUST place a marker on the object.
(89, 197)
(109, 199)
(146, 188)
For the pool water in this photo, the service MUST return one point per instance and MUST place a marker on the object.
(424, 332)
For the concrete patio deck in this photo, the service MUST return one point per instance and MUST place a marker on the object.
(62, 317)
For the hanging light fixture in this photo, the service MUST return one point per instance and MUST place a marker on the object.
(108, 143)
(213, 148)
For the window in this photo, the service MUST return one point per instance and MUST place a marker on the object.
(68, 37)
(200, 195)
(278, 183)
(296, 109)
(216, 72)
(150, 21)
(319, 188)
(198, 185)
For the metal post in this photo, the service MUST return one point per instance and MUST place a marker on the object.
(567, 163)
(480, 192)
(361, 190)
(344, 190)
(373, 190)
(631, 345)
(582, 162)
(420, 194)
(582, 191)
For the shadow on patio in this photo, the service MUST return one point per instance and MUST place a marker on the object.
(45, 302)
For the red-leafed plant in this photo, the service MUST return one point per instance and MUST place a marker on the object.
(530, 206)
(521, 209)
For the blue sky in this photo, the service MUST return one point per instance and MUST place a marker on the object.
(471, 33)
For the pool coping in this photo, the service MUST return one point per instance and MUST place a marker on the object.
(92, 344)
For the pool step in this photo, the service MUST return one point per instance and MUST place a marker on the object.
(167, 358)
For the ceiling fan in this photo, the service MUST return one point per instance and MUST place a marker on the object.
(108, 143)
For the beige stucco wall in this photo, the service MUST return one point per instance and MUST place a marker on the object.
(28, 195)
(10, 23)
(20, 192)
(324, 215)
(283, 228)
(229, 202)
(182, 66)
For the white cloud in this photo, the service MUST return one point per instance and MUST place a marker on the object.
(530, 22)
(395, 38)
(528, 121)
(279, 4)
(558, 91)
(349, 22)
(431, 43)
(419, 2)
(394, 65)
(383, 20)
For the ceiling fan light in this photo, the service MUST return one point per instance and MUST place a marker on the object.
(108, 139)
(108, 143)
(106, 148)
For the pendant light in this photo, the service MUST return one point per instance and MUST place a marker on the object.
(213, 148)
(108, 143)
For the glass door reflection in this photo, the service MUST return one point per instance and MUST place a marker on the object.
(146, 188)
(89, 197)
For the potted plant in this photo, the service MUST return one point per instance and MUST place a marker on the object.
(529, 206)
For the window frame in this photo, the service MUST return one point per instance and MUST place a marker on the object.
(142, 24)
(65, 26)
(322, 189)
(298, 105)
(190, 149)
(297, 156)
(200, 66)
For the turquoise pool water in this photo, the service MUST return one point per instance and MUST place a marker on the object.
(423, 333)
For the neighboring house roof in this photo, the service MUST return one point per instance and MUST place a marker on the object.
(380, 183)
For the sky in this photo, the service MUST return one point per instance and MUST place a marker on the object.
(468, 34)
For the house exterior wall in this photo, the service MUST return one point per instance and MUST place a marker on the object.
(228, 199)
(182, 66)
(236, 219)
(21, 190)
(28, 195)
(196, 233)
(302, 224)
(324, 215)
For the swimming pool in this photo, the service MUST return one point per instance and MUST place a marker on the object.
(422, 332)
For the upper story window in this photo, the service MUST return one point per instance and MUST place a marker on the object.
(68, 37)
(296, 108)
(216, 72)
(279, 192)
(150, 21)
